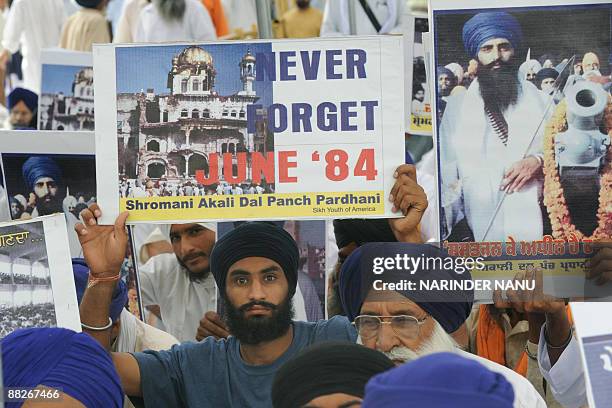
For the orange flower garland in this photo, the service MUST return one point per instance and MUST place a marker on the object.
(561, 221)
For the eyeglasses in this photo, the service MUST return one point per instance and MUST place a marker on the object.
(403, 325)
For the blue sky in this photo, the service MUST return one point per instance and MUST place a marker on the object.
(58, 78)
(140, 68)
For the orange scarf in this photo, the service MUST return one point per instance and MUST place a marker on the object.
(491, 340)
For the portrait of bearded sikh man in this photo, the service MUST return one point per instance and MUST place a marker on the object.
(408, 324)
(43, 178)
(484, 136)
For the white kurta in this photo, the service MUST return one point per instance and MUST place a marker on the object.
(566, 377)
(33, 25)
(240, 14)
(525, 395)
(182, 302)
(128, 21)
(196, 25)
(474, 160)
(335, 18)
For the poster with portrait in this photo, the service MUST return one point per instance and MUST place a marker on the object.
(36, 280)
(48, 172)
(310, 236)
(249, 130)
(66, 101)
(524, 160)
(418, 95)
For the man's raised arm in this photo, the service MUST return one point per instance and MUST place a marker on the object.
(104, 248)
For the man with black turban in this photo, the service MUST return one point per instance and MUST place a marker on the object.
(327, 375)
(545, 80)
(255, 267)
(488, 139)
(413, 321)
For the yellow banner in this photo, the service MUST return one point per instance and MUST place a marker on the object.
(420, 123)
(550, 267)
(245, 206)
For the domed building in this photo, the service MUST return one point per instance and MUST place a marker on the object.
(171, 135)
(70, 112)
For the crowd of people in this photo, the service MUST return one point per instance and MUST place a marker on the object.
(235, 320)
(164, 188)
(22, 317)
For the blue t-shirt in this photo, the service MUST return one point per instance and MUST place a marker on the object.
(212, 373)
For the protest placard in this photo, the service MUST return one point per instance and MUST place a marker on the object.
(418, 95)
(66, 101)
(257, 130)
(47, 172)
(522, 158)
(595, 340)
(36, 280)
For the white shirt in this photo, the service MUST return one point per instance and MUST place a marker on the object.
(240, 14)
(182, 302)
(335, 18)
(474, 161)
(525, 395)
(566, 377)
(128, 22)
(196, 25)
(33, 25)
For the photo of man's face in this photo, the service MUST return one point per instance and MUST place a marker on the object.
(45, 189)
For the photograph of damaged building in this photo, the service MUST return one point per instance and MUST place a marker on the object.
(168, 136)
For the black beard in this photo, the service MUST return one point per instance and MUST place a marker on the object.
(194, 276)
(259, 329)
(51, 207)
(302, 4)
(499, 88)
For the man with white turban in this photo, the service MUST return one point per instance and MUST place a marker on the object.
(528, 70)
(178, 287)
(485, 135)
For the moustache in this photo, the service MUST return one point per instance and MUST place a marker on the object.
(249, 305)
(192, 256)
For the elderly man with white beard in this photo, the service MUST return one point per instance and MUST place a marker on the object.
(408, 324)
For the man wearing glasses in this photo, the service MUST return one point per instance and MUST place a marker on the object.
(408, 324)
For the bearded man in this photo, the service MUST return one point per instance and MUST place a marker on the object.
(418, 321)
(485, 138)
(178, 287)
(255, 267)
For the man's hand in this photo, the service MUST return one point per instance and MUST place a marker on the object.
(529, 301)
(212, 325)
(410, 198)
(521, 172)
(600, 266)
(104, 246)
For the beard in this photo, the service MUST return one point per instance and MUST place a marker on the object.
(439, 341)
(499, 87)
(52, 206)
(302, 4)
(194, 276)
(258, 329)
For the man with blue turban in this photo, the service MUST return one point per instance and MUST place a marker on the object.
(409, 308)
(22, 105)
(60, 359)
(439, 380)
(486, 139)
(43, 178)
